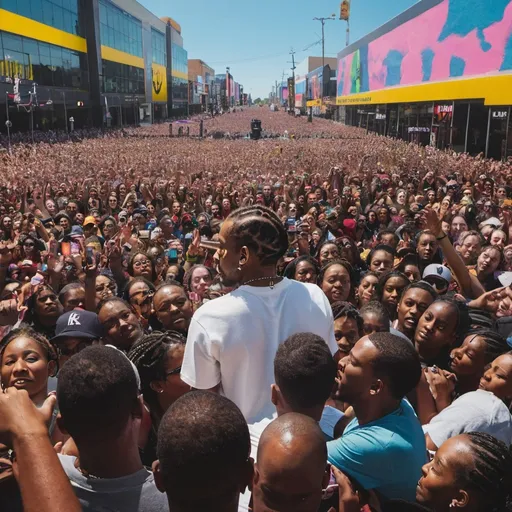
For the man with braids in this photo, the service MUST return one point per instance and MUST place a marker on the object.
(158, 358)
(232, 341)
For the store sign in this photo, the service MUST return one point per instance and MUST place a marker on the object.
(418, 129)
(443, 109)
(499, 114)
(380, 117)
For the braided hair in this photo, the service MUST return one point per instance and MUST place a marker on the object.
(261, 230)
(50, 352)
(463, 318)
(491, 472)
(149, 355)
(495, 344)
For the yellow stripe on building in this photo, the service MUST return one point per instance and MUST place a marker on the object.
(114, 55)
(179, 74)
(494, 89)
(21, 26)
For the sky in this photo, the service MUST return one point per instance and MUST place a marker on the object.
(254, 37)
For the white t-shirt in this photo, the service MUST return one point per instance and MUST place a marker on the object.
(233, 340)
(477, 411)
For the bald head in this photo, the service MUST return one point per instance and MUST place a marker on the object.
(292, 461)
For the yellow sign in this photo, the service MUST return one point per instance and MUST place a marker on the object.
(314, 103)
(158, 82)
(495, 90)
(345, 10)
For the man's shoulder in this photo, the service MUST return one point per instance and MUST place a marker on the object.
(298, 289)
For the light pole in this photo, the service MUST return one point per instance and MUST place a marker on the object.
(65, 113)
(332, 17)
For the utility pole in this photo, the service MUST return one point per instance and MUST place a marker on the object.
(332, 17)
(291, 98)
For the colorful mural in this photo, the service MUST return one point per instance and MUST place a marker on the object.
(451, 40)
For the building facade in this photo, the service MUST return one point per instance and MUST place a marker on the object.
(99, 62)
(201, 77)
(304, 69)
(226, 92)
(440, 74)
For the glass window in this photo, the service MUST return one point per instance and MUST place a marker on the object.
(47, 13)
(12, 42)
(67, 21)
(58, 19)
(24, 9)
(10, 5)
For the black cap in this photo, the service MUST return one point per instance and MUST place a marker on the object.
(78, 324)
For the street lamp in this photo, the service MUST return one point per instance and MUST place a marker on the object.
(8, 125)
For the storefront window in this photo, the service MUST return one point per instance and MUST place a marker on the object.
(43, 63)
(477, 133)
(498, 132)
(123, 79)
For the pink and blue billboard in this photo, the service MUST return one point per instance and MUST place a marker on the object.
(433, 42)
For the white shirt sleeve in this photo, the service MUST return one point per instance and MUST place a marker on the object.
(329, 338)
(469, 413)
(200, 368)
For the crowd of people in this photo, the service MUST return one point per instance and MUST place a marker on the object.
(317, 323)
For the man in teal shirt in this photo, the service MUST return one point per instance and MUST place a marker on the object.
(383, 447)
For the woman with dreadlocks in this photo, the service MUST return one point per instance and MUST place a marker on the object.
(471, 471)
(158, 357)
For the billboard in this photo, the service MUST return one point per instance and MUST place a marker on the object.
(300, 93)
(158, 82)
(428, 52)
(345, 10)
(315, 84)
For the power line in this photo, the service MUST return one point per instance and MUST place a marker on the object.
(262, 57)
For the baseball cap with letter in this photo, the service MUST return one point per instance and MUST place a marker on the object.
(78, 324)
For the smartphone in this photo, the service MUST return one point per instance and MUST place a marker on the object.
(75, 248)
(89, 255)
(65, 249)
(292, 225)
(172, 255)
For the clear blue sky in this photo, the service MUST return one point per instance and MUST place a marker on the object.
(253, 37)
